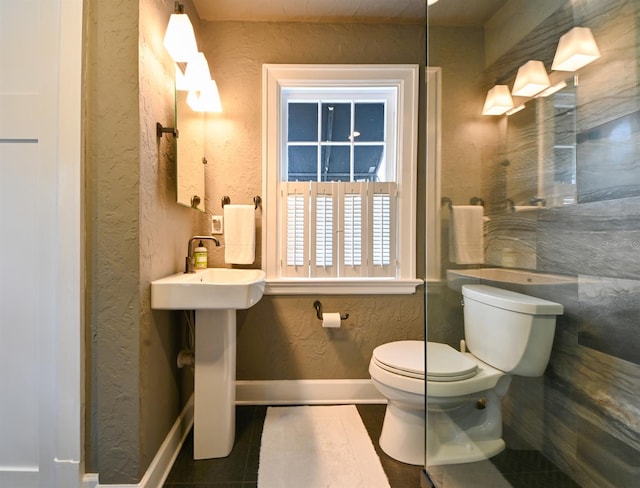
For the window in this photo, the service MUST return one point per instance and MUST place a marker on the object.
(339, 180)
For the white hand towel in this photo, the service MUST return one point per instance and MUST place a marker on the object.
(239, 234)
(466, 229)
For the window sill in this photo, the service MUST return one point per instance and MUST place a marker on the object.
(341, 287)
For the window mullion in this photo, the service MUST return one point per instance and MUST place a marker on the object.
(352, 139)
(319, 143)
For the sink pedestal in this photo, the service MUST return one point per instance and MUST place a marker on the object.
(214, 383)
(215, 294)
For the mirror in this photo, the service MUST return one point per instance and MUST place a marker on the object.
(190, 156)
(540, 152)
(608, 156)
(571, 147)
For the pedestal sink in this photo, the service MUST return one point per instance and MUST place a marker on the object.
(215, 294)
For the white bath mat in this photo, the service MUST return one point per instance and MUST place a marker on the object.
(318, 447)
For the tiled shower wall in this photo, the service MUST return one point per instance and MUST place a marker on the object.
(584, 414)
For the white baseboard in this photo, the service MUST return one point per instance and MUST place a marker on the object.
(306, 392)
(261, 392)
(161, 464)
(90, 480)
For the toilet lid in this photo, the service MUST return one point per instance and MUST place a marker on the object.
(444, 363)
(405, 358)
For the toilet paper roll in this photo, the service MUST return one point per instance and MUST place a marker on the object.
(331, 320)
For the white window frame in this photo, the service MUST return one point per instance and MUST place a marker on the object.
(275, 79)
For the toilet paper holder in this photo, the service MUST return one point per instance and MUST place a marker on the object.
(318, 306)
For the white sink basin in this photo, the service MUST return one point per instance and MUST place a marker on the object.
(209, 289)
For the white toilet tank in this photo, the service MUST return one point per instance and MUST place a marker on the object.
(510, 331)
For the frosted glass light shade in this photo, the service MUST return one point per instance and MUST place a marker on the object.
(498, 101)
(197, 73)
(576, 49)
(181, 80)
(532, 78)
(193, 100)
(179, 38)
(208, 100)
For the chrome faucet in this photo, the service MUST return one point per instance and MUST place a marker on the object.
(190, 262)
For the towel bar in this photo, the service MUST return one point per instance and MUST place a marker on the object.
(257, 201)
(472, 201)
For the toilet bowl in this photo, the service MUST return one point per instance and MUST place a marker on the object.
(508, 333)
(397, 371)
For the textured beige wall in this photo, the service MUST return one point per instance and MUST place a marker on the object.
(112, 199)
(135, 233)
(281, 338)
(468, 139)
(460, 54)
(164, 230)
(512, 23)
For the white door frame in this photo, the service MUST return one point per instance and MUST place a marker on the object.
(433, 80)
(69, 380)
(41, 138)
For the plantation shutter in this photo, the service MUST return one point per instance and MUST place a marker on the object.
(382, 229)
(295, 218)
(353, 229)
(324, 225)
(339, 229)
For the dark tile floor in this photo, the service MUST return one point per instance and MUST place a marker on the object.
(512, 468)
(530, 469)
(509, 469)
(240, 468)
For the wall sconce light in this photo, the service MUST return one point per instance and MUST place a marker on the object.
(197, 74)
(181, 81)
(498, 101)
(179, 38)
(576, 49)
(207, 100)
(194, 77)
(531, 79)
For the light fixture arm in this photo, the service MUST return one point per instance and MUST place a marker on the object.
(160, 130)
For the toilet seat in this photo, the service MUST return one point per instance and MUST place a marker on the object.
(444, 363)
(404, 358)
(400, 365)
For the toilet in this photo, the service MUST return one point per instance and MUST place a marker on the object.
(506, 333)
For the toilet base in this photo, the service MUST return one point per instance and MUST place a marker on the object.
(467, 432)
(467, 453)
(402, 435)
